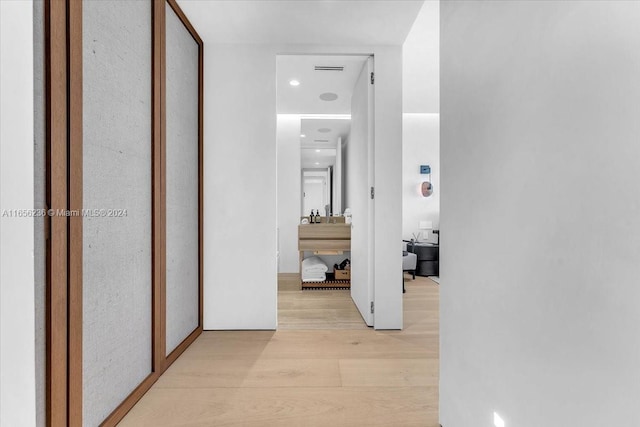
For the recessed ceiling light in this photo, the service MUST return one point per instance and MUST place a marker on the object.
(317, 151)
(328, 96)
(294, 83)
(303, 136)
(324, 130)
(317, 163)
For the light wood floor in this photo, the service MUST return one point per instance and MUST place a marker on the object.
(316, 309)
(324, 369)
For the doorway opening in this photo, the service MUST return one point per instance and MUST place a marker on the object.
(324, 174)
(316, 193)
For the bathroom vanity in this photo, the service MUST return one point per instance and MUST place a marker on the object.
(324, 239)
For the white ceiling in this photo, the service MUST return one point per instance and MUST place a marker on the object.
(314, 141)
(311, 158)
(305, 98)
(314, 138)
(321, 134)
(326, 22)
(330, 22)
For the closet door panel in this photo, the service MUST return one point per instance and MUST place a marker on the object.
(182, 254)
(117, 246)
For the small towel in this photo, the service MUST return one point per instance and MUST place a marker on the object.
(313, 265)
(306, 277)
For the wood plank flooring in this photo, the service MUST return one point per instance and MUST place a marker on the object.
(324, 368)
(318, 309)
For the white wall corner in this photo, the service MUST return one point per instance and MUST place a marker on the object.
(17, 294)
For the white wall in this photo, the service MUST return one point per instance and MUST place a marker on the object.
(350, 168)
(240, 182)
(17, 324)
(421, 62)
(288, 167)
(540, 295)
(240, 271)
(420, 146)
(421, 105)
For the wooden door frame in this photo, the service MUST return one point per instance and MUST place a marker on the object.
(56, 119)
(64, 129)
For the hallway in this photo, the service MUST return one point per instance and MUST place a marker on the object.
(338, 377)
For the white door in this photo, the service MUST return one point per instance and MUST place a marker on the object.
(314, 191)
(360, 184)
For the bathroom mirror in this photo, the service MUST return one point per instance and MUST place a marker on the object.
(321, 144)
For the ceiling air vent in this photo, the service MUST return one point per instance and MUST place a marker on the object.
(328, 68)
(320, 140)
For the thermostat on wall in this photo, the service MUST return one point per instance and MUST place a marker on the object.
(425, 169)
